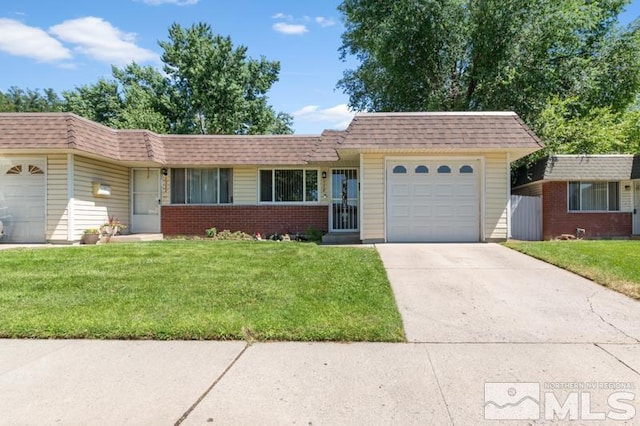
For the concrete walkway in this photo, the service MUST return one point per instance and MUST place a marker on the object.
(475, 314)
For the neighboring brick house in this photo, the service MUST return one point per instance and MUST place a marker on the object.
(597, 193)
(392, 177)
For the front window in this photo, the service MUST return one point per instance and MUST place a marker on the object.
(594, 196)
(288, 186)
(201, 186)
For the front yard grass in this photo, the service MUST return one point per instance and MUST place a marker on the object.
(198, 290)
(614, 264)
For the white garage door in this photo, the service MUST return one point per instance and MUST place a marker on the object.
(22, 200)
(433, 201)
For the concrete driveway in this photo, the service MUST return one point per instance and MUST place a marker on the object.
(461, 293)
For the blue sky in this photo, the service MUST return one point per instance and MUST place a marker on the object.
(65, 43)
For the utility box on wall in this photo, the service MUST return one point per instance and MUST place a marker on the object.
(101, 189)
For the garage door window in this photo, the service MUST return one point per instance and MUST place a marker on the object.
(399, 170)
(466, 169)
(444, 169)
(35, 170)
(422, 169)
(15, 170)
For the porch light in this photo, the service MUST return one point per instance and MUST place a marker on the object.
(164, 171)
(324, 175)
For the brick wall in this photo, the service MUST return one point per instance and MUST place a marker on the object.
(557, 220)
(193, 220)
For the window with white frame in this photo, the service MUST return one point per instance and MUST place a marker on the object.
(201, 186)
(288, 185)
(594, 196)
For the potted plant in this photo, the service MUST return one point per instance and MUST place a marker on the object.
(90, 236)
(111, 228)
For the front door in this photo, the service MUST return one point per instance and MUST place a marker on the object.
(145, 202)
(636, 208)
(344, 200)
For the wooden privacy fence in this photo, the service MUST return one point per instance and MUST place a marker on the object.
(526, 218)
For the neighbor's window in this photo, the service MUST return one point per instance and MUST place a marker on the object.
(594, 196)
(201, 186)
(288, 186)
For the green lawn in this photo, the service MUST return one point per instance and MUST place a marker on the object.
(198, 290)
(615, 264)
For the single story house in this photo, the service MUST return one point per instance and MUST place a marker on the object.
(599, 194)
(396, 177)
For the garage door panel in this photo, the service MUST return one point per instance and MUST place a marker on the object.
(22, 199)
(422, 211)
(401, 211)
(400, 190)
(422, 189)
(431, 206)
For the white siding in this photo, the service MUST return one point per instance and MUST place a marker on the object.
(626, 196)
(497, 177)
(245, 185)
(57, 200)
(372, 190)
(91, 211)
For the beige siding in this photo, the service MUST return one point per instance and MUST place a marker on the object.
(57, 198)
(245, 185)
(529, 190)
(91, 211)
(626, 196)
(497, 175)
(372, 193)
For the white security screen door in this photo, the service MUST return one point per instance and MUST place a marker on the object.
(344, 200)
(145, 216)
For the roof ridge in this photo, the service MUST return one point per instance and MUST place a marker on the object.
(71, 132)
(528, 130)
(147, 142)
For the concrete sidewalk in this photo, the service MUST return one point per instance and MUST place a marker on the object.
(164, 383)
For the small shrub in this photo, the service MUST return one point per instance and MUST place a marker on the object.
(314, 235)
(229, 236)
(211, 232)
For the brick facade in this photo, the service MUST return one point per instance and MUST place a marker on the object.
(557, 220)
(267, 219)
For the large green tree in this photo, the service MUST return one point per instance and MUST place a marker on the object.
(520, 55)
(19, 100)
(217, 88)
(208, 87)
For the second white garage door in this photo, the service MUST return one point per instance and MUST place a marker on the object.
(433, 201)
(22, 199)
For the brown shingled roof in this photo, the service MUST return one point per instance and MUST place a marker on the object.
(378, 131)
(436, 130)
(230, 150)
(68, 131)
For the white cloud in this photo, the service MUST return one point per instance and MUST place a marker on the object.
(19, 39)
(176, 2)
(337, 117)
(325, 22)
(281, 15)
(98, 39)
(290, 29)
